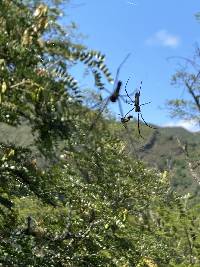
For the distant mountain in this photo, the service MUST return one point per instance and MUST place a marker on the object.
(158, 148)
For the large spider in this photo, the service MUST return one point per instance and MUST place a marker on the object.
(113, 96)
(136, 108)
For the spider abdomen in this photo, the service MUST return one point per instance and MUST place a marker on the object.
(115, 95)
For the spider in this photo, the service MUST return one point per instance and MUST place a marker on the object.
(113, 97)
(137, 108)
(126, 119)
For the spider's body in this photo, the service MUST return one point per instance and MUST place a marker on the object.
(115, 95)
(137, 102)
(136, 108)
(127, 119)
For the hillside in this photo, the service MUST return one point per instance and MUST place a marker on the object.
(159, 148)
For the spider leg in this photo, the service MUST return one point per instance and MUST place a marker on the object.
(120, 108)
(138, 124)
(99, 103)
(118, 70)
(132, 94)
(123, 98)
(99, 114)
(126, 90)
(140, 85)
(146, 122)
(145, 103)
(107, 90)
(129, 103)
(129, 112)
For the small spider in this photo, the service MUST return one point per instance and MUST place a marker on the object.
(126, 119)
(113, 97)
(136, 108)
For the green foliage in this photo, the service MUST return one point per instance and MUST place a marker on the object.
(39, 88)
(187, 78)
(70, 196)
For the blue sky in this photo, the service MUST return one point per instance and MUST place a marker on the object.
(152, 30)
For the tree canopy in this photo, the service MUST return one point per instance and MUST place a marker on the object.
(74, 197)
